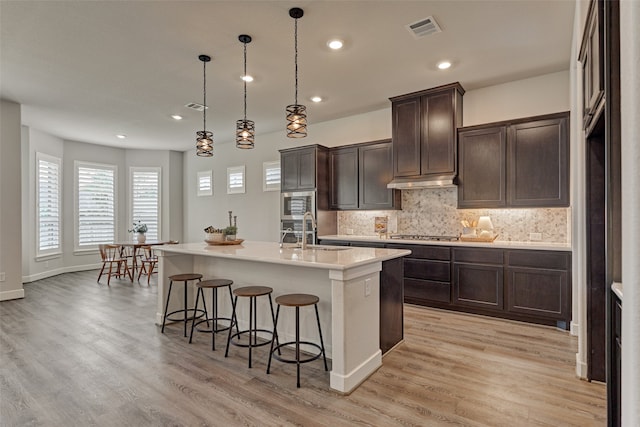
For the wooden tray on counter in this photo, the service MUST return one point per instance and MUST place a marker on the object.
(478, 239)
(223, 242)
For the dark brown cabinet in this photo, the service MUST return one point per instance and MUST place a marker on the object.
(592, 60)
(359, 175)
(519, 163)
(300, 167)
(478, 278)
(482, 173)
(427, 274)
(424, 131)
(537, 284)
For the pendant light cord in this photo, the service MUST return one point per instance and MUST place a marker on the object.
(296, 57)
(204, 92)
(244, 79)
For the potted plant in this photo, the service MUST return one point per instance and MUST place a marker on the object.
(231, 232)
(139, 228)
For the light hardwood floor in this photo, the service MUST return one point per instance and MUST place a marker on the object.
(77, 353)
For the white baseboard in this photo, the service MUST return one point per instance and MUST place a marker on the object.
(55, 272)
(9, 295)
(346, 383)
(581, 367)
(575, 329)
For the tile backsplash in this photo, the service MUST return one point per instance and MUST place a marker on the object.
(434, 212)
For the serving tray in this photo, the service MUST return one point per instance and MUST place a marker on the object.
(488, 239)
(223, 242)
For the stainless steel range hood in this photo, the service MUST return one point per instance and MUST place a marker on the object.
(440, 181)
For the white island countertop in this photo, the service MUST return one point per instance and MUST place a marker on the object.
(323, 257)
(541, 246)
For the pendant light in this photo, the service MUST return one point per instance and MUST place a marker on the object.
(296, 114)
(245, 129)
(204, 138)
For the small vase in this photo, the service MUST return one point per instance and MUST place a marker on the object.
(141, 237)
(231, 237)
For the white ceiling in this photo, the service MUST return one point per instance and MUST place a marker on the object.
(88, 70)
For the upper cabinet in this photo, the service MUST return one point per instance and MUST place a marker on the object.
(359, 175)
(303, 168)
(520, 163)
(592, 60)
(424, 131)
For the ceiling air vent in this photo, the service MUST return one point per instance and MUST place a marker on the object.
(423, 27)
(195, 106)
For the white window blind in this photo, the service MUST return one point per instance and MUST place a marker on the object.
(145, 199)
(95, 204)
(49, 212)
(271, 176)
(235, 180)
(205, 183)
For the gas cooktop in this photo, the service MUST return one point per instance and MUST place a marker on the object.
(424, 237)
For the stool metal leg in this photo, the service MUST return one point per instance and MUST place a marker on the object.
(298, 347)
(234, 320)
(321, 341)
(252, 300)
(214, 323)
(166, 306)
(275, 334)
(185, 308)
(198, 292)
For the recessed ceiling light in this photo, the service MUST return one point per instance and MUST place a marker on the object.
(335, 44)
(176, 117)
(121, 136)
(247, 78)
(316, 99)
(444, 65)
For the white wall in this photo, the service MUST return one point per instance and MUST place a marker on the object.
(34, 141)
(10, 202)
(544, 94)
(630, 117)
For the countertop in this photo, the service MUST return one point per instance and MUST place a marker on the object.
(617, 289)
(542, 246)
(269, 252)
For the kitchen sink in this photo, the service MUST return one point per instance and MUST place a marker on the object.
(325, 248)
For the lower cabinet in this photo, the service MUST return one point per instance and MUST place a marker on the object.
(478, 278)
(528, 285)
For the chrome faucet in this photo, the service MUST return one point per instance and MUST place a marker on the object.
(304, 228)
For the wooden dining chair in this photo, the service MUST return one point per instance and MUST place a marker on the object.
(148, 261)
(111, 254)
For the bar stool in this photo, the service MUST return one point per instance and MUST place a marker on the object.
(187, 277)
(297, 301)
(212, 284)
(251, 292)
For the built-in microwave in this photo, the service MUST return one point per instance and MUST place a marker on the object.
(294, 205)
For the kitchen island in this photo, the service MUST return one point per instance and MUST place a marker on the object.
(345, 279)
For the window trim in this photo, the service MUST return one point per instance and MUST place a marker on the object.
(266, 166)
(204, 174)
(158, 170)
(232, 170)
(56, 252)
(77, 249)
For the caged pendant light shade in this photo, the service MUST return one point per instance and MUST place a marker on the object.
(204, 138)
(245, 129)
(296, 113)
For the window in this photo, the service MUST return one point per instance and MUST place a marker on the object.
(235, 180)
(205, 183)
(48, 201)
(271, 176)
(95, 204)
(145, 199)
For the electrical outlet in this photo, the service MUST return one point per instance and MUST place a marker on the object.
(535, 237)
(2, 277)
(367, 287)
(349, 231)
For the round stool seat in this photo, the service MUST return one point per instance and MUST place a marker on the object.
(214, 283)
(185, 277)
(297, 300)
(252, 291)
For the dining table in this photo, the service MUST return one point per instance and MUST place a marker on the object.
(135, 245)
